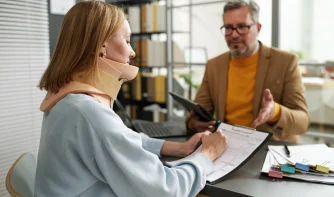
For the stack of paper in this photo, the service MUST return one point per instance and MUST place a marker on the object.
(312, 155)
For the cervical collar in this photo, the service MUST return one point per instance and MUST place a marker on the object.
(105, 86)
(127, 72)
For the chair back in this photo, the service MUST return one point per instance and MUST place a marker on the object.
(20, 180)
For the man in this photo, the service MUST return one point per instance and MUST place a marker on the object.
(252, 85)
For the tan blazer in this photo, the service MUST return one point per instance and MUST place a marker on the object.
(277, 71)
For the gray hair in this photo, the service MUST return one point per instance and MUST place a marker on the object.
(253, 7)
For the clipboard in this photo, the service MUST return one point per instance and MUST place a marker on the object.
(204, 115)
(242, 145)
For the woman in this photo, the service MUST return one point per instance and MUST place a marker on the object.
(85, 149)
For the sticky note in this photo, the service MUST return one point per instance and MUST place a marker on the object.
(275, 174)
(323, 169)
(302, 167)
(287, 169)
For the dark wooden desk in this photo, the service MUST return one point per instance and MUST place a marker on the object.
(248, 181)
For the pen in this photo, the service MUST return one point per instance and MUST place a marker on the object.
(287, 151)
(218, 122)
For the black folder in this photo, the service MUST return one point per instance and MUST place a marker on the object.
(204, 115)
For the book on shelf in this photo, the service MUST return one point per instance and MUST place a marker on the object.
(151, 53)
(150, 87)
(150, 17)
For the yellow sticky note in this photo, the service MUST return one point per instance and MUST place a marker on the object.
(322, 169)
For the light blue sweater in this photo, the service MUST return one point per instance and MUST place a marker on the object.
(86, 150)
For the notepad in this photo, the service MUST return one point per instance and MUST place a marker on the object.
(241, 144)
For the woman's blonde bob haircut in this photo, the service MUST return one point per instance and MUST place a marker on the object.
(85, 28)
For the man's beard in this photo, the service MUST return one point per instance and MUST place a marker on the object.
(236, 51)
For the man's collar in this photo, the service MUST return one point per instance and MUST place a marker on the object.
(257, 47)
(264, 50)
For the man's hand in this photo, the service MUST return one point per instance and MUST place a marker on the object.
(199, 126)
(267, 109)
(182, 149)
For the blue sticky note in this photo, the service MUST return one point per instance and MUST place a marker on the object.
(287, 169)
(302, 167)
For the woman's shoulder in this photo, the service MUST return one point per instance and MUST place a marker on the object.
(83, 102)
(103, 120)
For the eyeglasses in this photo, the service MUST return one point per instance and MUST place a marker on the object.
(241, 29)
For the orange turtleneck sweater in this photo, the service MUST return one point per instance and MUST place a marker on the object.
(240, 91)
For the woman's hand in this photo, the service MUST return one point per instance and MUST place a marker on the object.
(191, 145)
(214, 145)
(182, 149)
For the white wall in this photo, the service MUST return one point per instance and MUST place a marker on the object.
(290, 27)
(323, 30)
(307, 26)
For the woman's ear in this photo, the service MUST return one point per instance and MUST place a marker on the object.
(103, 51)
(105, 45)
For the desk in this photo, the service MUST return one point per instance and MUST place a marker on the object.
(248, 181)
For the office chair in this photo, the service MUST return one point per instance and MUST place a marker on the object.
(20, 180)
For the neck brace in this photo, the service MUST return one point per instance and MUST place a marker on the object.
(104, 87)
(127, 72)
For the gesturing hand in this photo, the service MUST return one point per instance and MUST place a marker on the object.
(267, 109)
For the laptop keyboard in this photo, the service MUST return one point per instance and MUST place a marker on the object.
(151, 129)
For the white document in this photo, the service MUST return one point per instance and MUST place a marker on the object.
(241, 143)
(313, 154)
(272, 159)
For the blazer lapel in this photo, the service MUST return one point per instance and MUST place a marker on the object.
(261, 73)
(223, 65)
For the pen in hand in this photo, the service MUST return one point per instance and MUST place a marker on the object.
(287, 151)
(218, 122)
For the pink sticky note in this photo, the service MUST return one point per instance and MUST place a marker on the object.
(275, 174)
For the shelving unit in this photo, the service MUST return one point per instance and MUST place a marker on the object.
(170, 65)
(138, 95)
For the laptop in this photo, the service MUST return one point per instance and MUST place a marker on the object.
(155, 129)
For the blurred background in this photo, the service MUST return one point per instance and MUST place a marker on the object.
(29, 30)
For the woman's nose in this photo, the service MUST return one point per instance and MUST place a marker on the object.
(132, 54)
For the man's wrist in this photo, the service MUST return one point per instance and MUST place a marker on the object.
(276, 115)
(189, 126)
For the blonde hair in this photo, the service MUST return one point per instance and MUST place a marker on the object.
(85, 28)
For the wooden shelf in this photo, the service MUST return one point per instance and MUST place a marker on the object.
(129, 2)
(158, 32)
(141, 103)
(147, 33)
